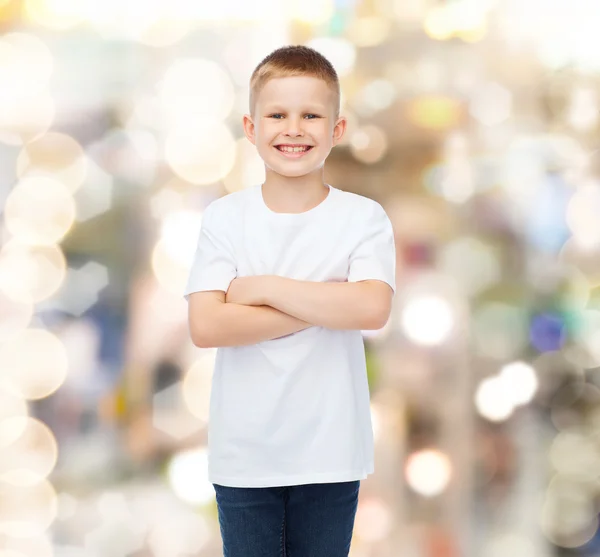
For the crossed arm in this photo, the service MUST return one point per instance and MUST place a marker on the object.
(261, 308)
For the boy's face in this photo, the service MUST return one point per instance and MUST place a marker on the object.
(294, 125)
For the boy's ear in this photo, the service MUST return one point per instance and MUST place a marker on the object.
(249, 128)
(339, 130)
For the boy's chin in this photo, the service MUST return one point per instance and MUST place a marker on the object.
(293, 173)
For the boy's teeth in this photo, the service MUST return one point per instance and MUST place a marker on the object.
(292, 149)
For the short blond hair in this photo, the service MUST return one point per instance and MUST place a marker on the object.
(291, 61)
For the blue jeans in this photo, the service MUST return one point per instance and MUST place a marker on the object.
(313, 520)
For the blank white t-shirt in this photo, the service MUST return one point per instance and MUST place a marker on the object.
(293, 410)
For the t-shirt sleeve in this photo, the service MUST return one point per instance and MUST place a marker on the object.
(374, 257)
(213, 266)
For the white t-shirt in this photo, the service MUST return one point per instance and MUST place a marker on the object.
(293, 410)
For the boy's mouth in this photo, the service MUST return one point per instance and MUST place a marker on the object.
(293, 151)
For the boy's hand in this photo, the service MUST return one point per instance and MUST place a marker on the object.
(248, 291)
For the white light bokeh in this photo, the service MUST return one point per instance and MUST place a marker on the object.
(493, 399)
(427, 320)
(55, 155)
(521, 381)
(29, 456)
(31, 274)
(179, 235)
(340, 52)
(39, 211)
(33, 364)
(27, 511)
(428, 472)
(188, 477)
(369, 144)
(194, 89)
(582, 216)
(201, 154)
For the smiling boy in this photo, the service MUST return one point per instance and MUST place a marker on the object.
(286, 275)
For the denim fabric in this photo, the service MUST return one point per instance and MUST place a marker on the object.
(313, 520)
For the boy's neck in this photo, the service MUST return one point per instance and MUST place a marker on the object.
(282, 194)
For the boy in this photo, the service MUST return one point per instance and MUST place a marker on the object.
(286, 275)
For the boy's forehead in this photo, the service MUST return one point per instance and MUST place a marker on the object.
(280, 91)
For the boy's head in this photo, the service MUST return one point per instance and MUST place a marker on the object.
(292, 61)
(294, 110)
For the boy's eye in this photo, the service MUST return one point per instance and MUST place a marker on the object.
(279, 116)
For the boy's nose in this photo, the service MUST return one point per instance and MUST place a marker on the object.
(294, 128)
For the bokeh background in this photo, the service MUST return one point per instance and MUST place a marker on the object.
(473, 122)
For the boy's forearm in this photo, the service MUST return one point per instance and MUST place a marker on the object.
(334, 305)
(240, 325)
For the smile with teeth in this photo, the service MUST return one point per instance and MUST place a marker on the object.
(294, 149)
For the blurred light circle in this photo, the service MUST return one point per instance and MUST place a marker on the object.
(578, 290)
(40, 546)
(12, 405)
(165, 201)
(29, 66)
(169, 272)
(31, 274)
(575, 406)
(582, 216)
(434, 112)
(509, 543)
(197, 385)
(166, 31)
(55, 14)
(568, 517)
(493, 399)
(14, 315)
(575, 454)
(586, 260)
(11, 553)
(188, 477)
(57, 155)
(582, 112)
(428, 472)
(456, 19)
(521, 380)
(201, 156)
(117, 20)
(314, 12)
(248, 169)
(587, 335)
(373, 520)
(34, 363)
(26, 118)
(427, 320)
(179, 235)
(369, 30)
(26, 511)
(340, 52)
(377, 95)
(31, 456)
(491, 104)
(193, 89)
(146, 112)
(39, 211)
(547, 332)
(472, 263)
(369, 144)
